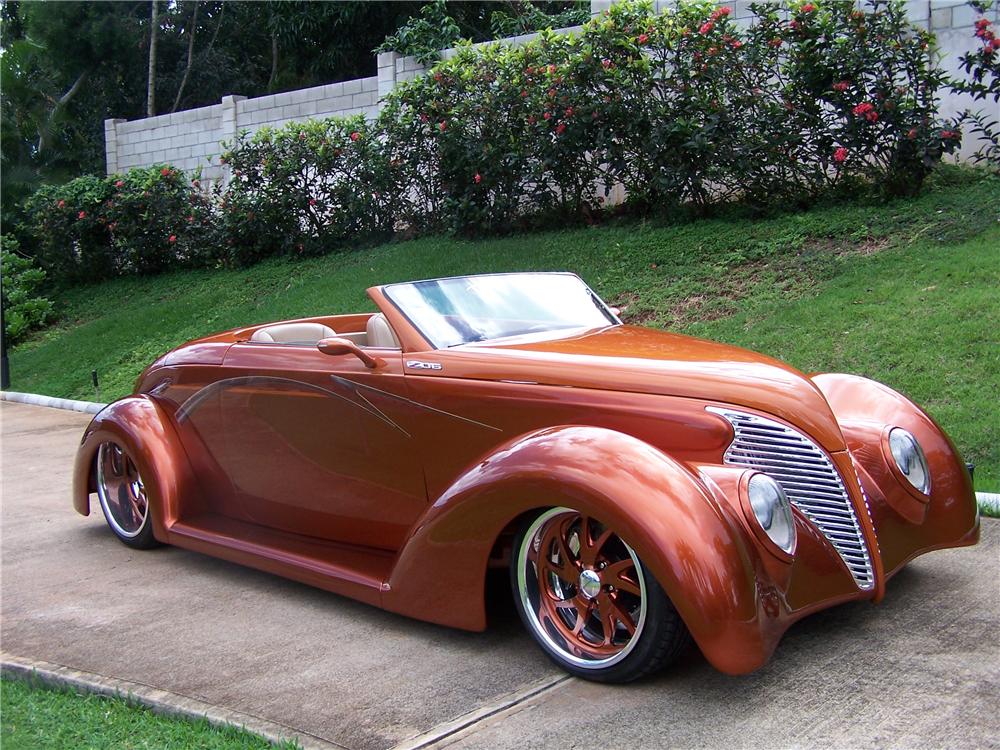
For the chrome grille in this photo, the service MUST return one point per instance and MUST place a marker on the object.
(808, 477)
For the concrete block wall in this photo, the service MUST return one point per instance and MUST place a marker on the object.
(192, 139)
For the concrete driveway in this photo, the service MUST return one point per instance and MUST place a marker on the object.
(920, 670)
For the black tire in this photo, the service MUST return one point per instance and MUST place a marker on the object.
(119, 488)
(662, 635)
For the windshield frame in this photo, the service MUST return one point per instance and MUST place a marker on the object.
(600, 304)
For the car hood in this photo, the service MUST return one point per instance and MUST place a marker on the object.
(644, 360)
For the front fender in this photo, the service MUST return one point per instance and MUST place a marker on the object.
(692, 544)
(145, 431)
(906, 524)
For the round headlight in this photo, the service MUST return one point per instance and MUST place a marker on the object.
(909, 458)
(772, 510)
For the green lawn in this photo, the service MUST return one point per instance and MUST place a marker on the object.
(905, 292)
(38, 718)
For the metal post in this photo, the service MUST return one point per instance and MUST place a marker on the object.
(4, 363)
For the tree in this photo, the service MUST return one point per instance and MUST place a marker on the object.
(151, 77)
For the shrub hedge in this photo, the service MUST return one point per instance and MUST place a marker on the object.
(684, 109)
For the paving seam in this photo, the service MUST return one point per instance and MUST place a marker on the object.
(159, 701)
(510, 700)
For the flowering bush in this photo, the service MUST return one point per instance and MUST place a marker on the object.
(982, 82)
(145, 221)
(305, 189)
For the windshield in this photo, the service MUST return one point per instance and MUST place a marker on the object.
(465, 309)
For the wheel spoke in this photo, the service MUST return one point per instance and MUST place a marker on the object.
(614, 575)
(623, 617)
(590, 547)
(605, 612)
(583, 611)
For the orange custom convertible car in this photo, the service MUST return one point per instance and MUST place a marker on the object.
(641, 486)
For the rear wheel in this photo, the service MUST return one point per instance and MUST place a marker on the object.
(123, 497)
(586, 598)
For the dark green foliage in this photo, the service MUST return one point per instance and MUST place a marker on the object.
(24, 308)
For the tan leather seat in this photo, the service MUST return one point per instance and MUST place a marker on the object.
(293, 333)
(380, 333)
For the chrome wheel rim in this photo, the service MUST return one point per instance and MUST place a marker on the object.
(121, 491)
(582, 589)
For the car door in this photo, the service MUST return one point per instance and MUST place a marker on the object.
(313, 443)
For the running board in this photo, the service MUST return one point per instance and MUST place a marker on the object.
(343, 569)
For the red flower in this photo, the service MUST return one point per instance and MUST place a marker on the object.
(172, 239)
(840, 155)
(355, 135)
(437, 76)
(947, 134)
(712, 51)
(569, 111)
(478, 178)
(190, 219)
(793, 24)
(862, 109)
(560, 128)
(706, 27)
(606, 63)
(531, 120)
(442, 126)
(995, 44)
(982, 23)
(808, 8)
(552, 93)
(119, 183)
(643, 38)
(552, 69)
(737, 44)
(312, 201)
(524, 93)
(547, 116)
(776, 42)
(841, 86)
(725, 10)
(81, 215)
(912, 134)
(61, 204)
(423, 117)
(165, 172)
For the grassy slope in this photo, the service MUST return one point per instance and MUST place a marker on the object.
(906, 293)
(38, 718)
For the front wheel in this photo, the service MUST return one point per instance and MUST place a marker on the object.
(586, 598)
(122, 493)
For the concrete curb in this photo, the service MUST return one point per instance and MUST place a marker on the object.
(989, 502)
(90, 407)
(161, 702)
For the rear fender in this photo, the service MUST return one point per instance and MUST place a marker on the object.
(145, 431)
(692, 545)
